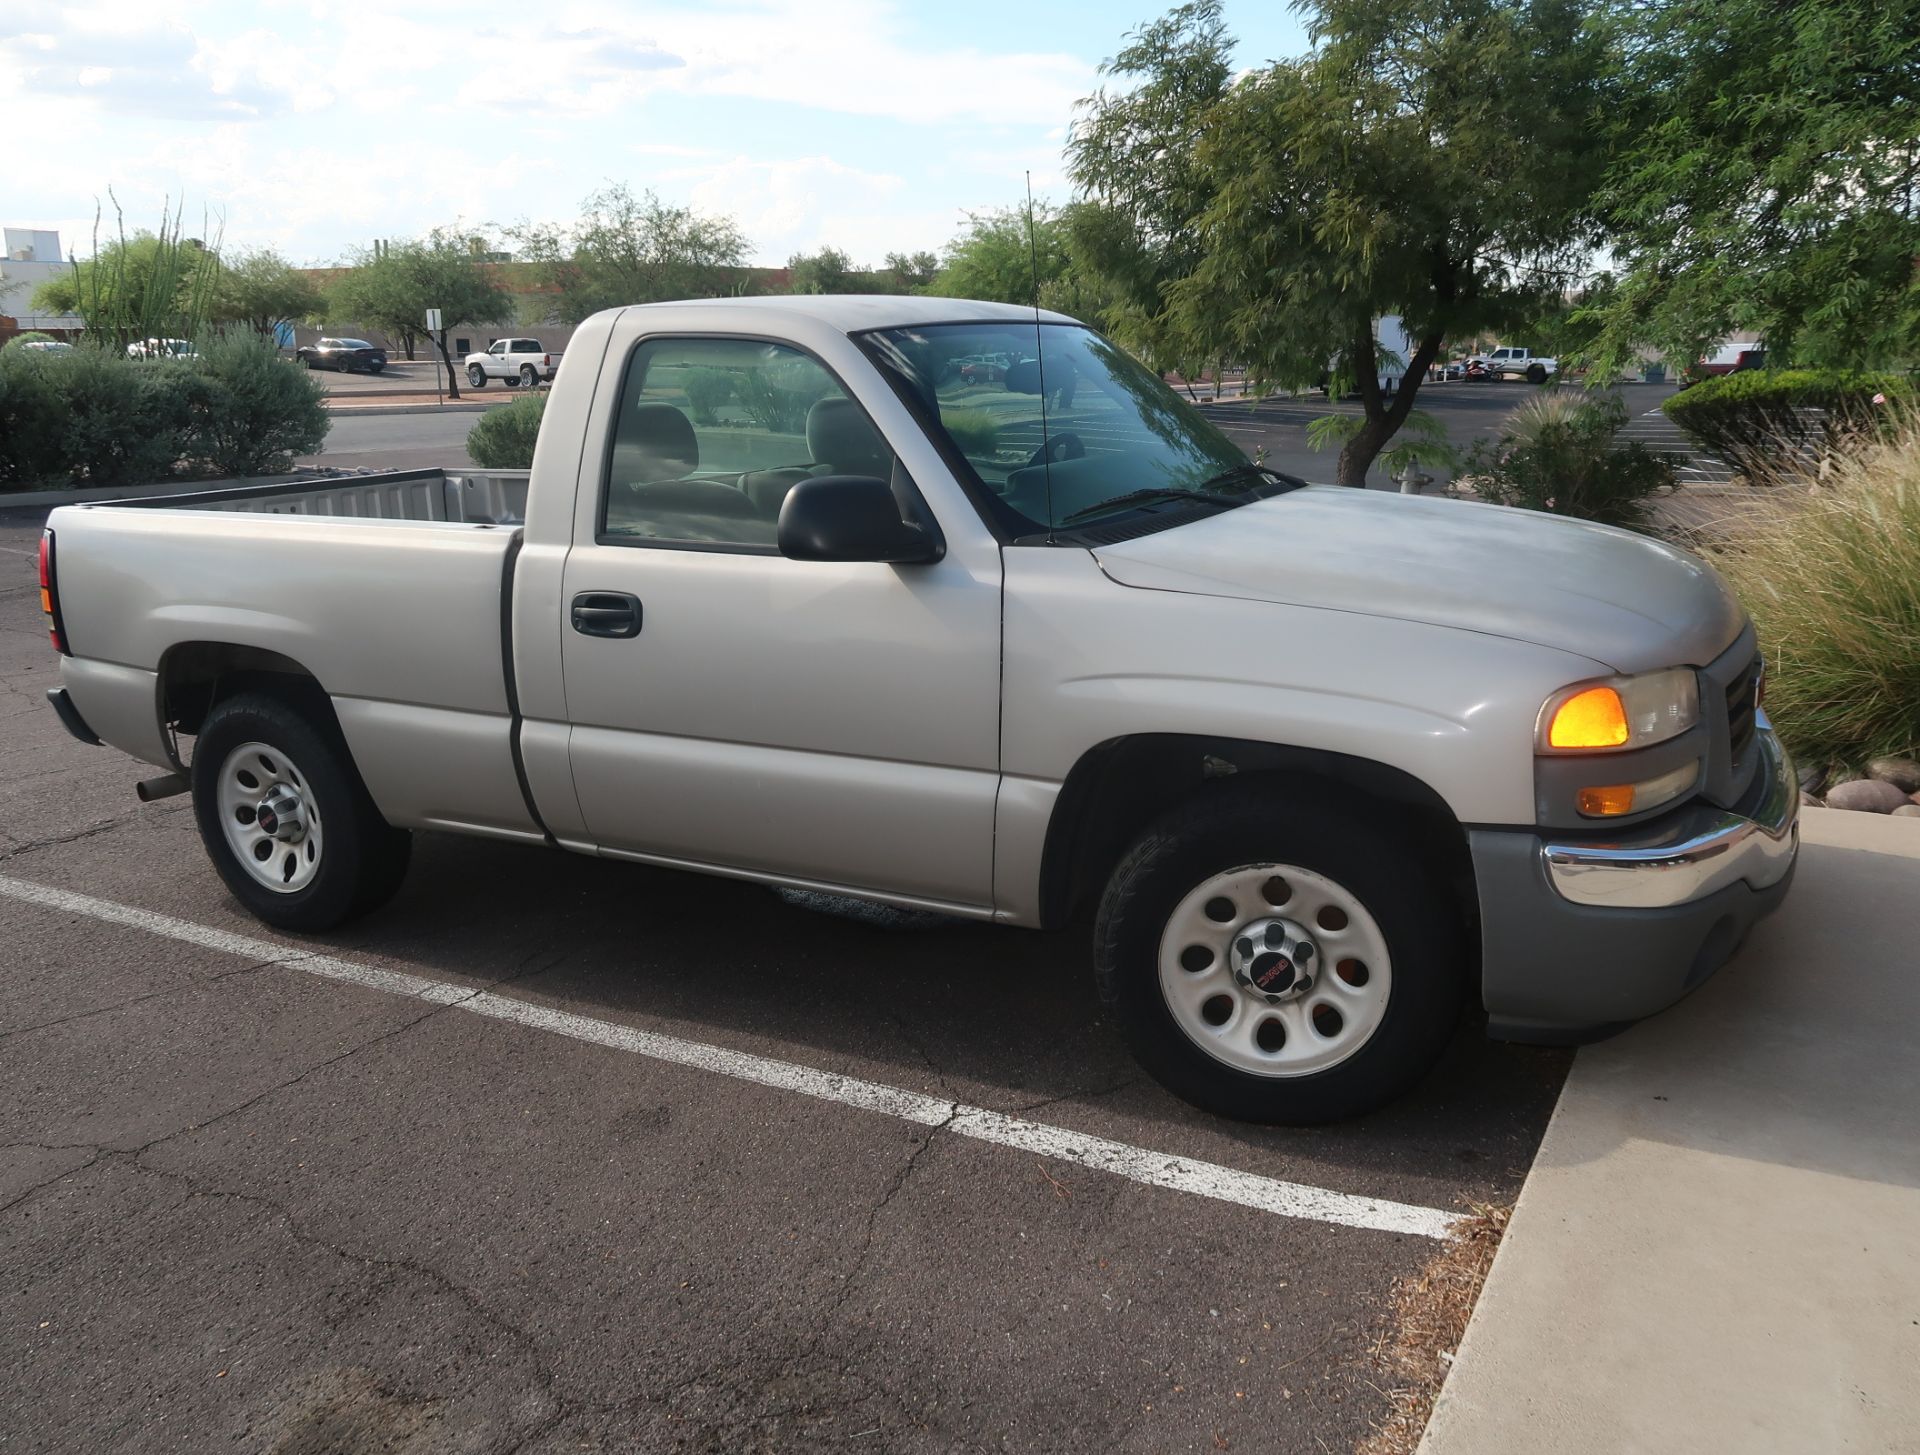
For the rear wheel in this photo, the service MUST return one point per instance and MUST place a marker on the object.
(1278, 960)
(1536, 374)
(529, 376)
(286, 820)
(476, 376)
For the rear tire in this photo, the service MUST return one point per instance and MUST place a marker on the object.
(1536, 374)
(286, 820)
(529, 376)
(1355, 999)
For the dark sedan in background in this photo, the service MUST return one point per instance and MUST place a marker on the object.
(348, 354)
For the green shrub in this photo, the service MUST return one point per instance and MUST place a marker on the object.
(254, 410)
(32, 420)
(126, 420)
(707, 390)
(973, 430)
(1832, 577)
(96, 417)
(20, 340)
(504, 437)
(1558, 452)
(1756, 418)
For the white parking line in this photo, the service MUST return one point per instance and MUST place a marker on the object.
(1137, 1164)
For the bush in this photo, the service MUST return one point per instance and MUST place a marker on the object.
(973, 430)
(94, 417)
(1757, 417)
(707, 390)
(259, 411)
(504, 437)
(1557, 453)
(20, 340)
(1832, 578)
(778, 396)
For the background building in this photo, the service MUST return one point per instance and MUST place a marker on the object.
(29, 258)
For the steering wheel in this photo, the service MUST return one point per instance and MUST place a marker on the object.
(1064, 446)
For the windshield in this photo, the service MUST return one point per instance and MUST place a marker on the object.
(1111, 429)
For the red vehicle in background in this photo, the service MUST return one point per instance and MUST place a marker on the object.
(1730, 359)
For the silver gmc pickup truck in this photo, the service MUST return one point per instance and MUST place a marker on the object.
(786, 598)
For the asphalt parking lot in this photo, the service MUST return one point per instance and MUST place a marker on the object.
(554, 1154)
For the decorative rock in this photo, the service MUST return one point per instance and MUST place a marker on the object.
(1902, 773)
(1813, 779)
(1907, 810)
(1866, 795)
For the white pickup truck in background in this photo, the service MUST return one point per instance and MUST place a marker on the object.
(523, 361)
(785, 598)
(1519, 361)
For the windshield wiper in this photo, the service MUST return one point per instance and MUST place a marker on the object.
(1158, 492)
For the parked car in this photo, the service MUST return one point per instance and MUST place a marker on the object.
(982, 371)
(522, 361)
(346, 355)
(1319, 762)
(46, 346)
(1729, 359)
(163, 348)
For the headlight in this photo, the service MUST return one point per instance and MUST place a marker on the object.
(1626, 712)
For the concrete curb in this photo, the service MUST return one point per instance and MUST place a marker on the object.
(450, 407)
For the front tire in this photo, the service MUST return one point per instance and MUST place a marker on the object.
(1273, 958)
(476, 377)
(286, 820)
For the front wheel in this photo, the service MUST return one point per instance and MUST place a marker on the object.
(476, 376)
(1273, 959)
(286, 820)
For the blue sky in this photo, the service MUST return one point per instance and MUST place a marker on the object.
(317, 125)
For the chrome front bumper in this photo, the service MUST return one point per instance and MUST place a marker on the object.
(1694, 854)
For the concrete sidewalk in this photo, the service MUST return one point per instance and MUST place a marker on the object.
(1718, 1248)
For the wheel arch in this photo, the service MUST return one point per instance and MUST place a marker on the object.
(195, 677)
(1121, 785)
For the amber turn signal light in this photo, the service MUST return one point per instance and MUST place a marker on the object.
(1607, 802)
(1596, 718)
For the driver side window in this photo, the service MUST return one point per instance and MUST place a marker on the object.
(712, 434)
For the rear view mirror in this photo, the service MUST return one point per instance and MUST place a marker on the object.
(1023, 377)
(851, 518)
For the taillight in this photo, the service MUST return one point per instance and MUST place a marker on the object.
(49, 601)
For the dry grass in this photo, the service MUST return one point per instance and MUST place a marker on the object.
(1427, 1319)
(1829, 567)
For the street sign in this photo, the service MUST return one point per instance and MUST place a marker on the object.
(433, 320)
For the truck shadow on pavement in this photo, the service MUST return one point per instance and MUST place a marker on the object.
(996, 1017)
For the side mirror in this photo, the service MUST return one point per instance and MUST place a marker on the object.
(851, 518)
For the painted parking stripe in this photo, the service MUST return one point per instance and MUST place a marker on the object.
(1136, 1164)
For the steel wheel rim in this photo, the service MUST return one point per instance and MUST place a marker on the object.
(268, 814)
(1323, 1018)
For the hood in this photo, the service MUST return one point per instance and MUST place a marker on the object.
(1625, 600)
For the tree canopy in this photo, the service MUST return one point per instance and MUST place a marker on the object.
(260, 290)
(138, 286)
(996, 259)
(1766, 175)
(391, 289)
(626, 249)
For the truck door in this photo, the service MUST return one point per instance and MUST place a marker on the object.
(834, 723)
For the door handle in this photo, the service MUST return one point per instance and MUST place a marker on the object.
(606, 614)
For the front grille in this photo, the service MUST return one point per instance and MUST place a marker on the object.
(1742, 704)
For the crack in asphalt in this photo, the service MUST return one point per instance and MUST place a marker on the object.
(194, 983)
(75, 836)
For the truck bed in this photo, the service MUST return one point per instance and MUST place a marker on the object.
(474, 497)
(387, 590)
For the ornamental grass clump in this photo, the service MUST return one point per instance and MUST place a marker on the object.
(1831, 574)
(1558, 452)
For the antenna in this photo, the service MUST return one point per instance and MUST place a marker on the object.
(1040, 360)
